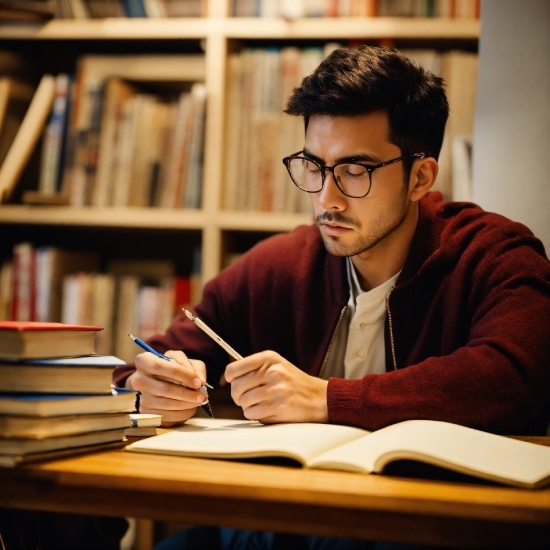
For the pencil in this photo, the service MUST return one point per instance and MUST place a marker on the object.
(212, 334)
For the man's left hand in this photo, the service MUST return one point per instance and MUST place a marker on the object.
(271, 389)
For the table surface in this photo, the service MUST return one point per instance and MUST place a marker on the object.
(281, 498)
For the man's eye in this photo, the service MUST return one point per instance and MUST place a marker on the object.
(310, 166)
(355, 170)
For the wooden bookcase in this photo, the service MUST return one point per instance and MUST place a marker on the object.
(151, 231)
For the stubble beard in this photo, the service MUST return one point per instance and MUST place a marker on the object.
(380, 229)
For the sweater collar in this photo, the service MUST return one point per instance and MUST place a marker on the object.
(424, 246)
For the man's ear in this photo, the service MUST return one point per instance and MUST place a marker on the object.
(423, 174)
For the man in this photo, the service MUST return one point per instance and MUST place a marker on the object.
(396, 305)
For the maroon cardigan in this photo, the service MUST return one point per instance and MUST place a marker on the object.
(467, 337)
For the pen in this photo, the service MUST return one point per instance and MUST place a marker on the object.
(146, 347)
(212, 334)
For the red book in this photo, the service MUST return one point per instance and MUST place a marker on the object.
(34, 340)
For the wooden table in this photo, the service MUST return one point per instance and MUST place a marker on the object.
(254, 496)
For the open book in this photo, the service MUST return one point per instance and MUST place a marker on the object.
(334, 447)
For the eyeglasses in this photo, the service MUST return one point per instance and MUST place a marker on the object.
(352, 178)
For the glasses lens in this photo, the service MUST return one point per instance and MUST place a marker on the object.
(354, 179)
(306, 174)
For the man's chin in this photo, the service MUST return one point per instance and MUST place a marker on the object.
(335, 247)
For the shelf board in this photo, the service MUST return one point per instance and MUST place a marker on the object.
(247, 28)
(154, 218)
(354, 27)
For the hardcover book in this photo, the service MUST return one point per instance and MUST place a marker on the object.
(34, 340)
(87, 375)
(35, 404)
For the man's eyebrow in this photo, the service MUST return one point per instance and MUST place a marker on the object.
(352, 158)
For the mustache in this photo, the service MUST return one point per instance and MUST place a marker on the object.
(335, 217)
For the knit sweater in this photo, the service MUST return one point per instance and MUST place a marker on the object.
(467, 330)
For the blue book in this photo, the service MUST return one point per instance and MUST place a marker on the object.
(34, 404)
(90, 374)
(134, 8)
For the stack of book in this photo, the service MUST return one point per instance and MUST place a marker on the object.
(56, 397)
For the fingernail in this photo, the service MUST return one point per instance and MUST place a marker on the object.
(197, 383)
(202, 399)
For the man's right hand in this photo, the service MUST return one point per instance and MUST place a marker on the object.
(169, 388)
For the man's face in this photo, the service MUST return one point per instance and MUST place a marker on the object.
(351, 226)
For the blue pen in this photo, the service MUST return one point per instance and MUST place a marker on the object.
(147, 347)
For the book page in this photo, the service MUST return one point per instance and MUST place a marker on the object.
(217, 438)
(451, 446)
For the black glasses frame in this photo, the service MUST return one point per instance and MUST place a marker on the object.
(370, 168)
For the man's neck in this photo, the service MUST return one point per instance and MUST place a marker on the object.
(381, 262)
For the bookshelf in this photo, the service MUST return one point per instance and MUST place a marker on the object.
(57, 44)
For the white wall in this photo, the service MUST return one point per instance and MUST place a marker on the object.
(511, 156)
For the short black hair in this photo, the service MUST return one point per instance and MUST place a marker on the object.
(358, 81)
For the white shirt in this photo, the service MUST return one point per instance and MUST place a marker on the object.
(359, 348)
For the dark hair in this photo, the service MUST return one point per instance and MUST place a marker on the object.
(358, 81)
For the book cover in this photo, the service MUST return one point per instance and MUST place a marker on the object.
(86, 375)
(35, 404)
(334, 447)
(21, 446)
(27, 136)
(43, 427)
(35, 340)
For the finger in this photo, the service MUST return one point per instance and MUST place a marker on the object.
(253, 362)
(156, 367)
(195, 365)
(166, 389)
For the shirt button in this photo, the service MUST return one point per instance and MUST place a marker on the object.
(360, 353)
(362, 325)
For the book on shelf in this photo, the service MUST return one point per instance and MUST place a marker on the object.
(88, 298)
(15, 97)
(120, 140)
(335, 447)
(27, 136)
(295, 9)
(64, 404)
(40, 427)
(34, 289)
(49, 181)
(90, 374)
(21, 340)
(459, 70)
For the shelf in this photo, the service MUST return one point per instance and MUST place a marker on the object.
(247, 28)
(157, 218)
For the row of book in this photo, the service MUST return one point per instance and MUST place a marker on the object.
(55, 393)
(260, 82)
(51, 284)
(42, 10)
(294, 9)
(109, 142)
(289, 9)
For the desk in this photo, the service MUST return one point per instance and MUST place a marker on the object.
(253, 496)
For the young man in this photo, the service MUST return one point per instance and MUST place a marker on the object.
(396, 305)
(459, 331)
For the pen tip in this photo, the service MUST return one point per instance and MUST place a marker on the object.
(131, 336)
